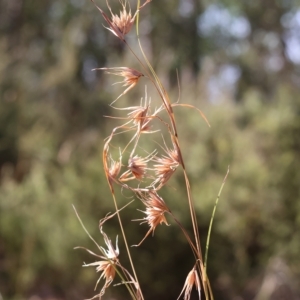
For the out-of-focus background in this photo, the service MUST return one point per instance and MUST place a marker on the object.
(238, 61)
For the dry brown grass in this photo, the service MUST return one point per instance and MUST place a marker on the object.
(144, 175)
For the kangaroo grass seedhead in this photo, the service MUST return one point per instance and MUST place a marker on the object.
(121, 24)
(111, 252)
(131, 77)
(166, 165)
(118, 25)
(155, 211)
(107, 265)
(191, 280)
(111, 167)
(114, 169)
(137, 167)
(108, 273)
(142, 115)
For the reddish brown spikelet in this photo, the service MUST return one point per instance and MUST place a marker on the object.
(123, 22)
(107, 265)
(138, 115)
(165, 166)
(145, 126)
(191, 280)
(131, 77)
(155, 210)
(108, 273)
(114, 170)
(142, 115)
(118, 25)
(137, 168)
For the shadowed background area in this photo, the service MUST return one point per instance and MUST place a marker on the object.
(238, 61)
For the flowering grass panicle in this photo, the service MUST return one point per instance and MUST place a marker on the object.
(165, 166)
(107, 265)
(155, 211)
(131, 77)
(137, 166)
(120, 24)
(192, 279)
(144, 174)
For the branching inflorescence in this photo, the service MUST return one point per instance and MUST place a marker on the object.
(144, 173)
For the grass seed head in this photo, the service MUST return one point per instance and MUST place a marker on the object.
(107, 265)
(138, 115)
(138, 166)
(165, 166)
(131, 77)
(124, 21)
(121, 24)
(155, 211)
(191, 280)
(114, 169)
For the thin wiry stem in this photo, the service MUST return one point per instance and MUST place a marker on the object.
(192, 106)
(125, 241)
(205, 281)
(195, 251)
(167, 103)
(126, 244)
(103, 253)
(168, 107)
(86, 230)
(110, 183)
(157, 83)
(196, 234)
(209, 289)
(211, 220)
(193, 213)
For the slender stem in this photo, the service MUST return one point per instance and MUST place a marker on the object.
(169, 109)
(193, 214)
(128, 286)
(126, 244)
(209, 289)
(104, 254)
(204, 278)
(196, 254)
(157, 83)
(168, 106)
(211, 221)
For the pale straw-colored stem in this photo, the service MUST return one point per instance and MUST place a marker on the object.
(104, 154)
(193, 213)
(103, 253)
(126, 244)
(168, 106)
(194, 249)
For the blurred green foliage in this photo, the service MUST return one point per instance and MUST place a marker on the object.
(237, 61)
